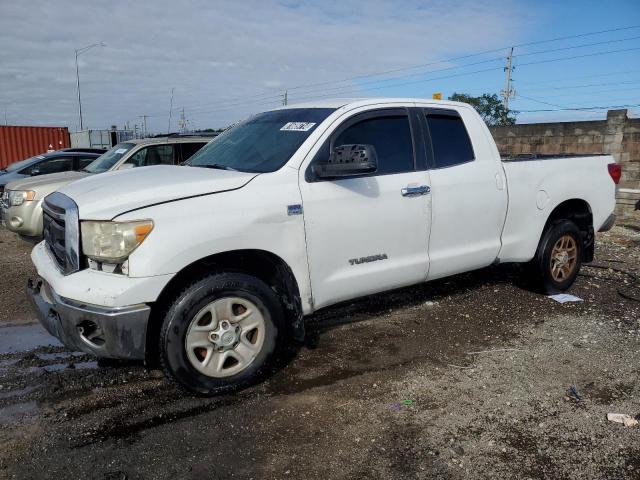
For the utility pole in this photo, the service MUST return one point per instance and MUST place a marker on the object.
(508, 92)
(144, 124)
(285, 98)
(170, 111)
(80, 51)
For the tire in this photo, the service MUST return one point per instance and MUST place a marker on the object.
(555, 271)
(198, 352)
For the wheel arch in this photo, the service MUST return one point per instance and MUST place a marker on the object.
(578, 211)
(265, 265)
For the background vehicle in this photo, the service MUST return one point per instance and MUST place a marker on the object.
(21, 208)
(216, 262)
(59, 161)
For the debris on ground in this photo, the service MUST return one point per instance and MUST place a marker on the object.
(565, 297)
(626, 420)
(572, 391)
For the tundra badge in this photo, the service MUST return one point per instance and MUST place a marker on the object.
(370, 258)
(294, 209)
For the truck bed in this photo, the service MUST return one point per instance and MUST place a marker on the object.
(537, 184)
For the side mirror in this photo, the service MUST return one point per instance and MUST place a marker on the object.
(348, 161)
(34, 172)
(125, 166)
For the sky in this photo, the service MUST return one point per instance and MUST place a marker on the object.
(225, 60)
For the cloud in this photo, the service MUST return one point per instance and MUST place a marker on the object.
(225, 59)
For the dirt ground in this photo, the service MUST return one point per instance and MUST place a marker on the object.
(469, 377)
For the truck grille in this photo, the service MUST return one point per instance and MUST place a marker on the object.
(61, 231)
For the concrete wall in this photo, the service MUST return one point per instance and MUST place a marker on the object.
(618, 135)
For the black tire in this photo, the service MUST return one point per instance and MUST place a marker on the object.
(541, 265)
(173, 351)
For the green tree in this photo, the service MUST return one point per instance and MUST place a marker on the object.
(489, 107)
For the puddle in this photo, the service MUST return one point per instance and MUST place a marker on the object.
(58, 355)
(17, 393)
(13, 413)
(56, 367)
(25, 338)
(4, 364)
(86, 365)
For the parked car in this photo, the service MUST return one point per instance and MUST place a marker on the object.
(63, 160)
(213, 265)
(21, 208)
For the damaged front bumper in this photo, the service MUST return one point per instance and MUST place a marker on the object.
(107, 332)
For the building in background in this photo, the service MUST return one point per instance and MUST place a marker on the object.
(20, 142)
(100, 138)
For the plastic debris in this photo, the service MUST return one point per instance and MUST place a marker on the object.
(398, 406)
(565, 297)
(626, 420)
(572, 391)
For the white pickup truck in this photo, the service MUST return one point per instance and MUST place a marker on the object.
(210, 267)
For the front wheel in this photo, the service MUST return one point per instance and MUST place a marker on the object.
(559, 257)
(221, 333)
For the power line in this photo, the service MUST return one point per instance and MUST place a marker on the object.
(607, 107)
(358, 88)
(412, 67)
(577, 56)
(578, 46)
(591, 93)
(351, 89)
(563, 87)
(581, 77)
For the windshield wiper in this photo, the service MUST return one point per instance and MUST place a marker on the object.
(217, 166)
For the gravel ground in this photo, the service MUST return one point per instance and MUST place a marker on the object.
(469, 377)
(15, 268)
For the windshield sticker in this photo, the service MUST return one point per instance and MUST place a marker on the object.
(297, 126)
(121, 150)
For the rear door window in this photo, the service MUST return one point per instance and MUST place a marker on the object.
(449, 139)
(152, 155)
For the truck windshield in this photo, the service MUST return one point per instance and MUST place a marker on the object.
(108, 159)
(263, 143)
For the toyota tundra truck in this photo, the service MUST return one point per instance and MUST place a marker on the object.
(209, 268)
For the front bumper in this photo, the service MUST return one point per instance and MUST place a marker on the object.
(107, 332)
(25, 219)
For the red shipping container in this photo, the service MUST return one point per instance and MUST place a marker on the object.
(18, 143)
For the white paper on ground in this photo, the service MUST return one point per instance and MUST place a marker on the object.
(626, 420)
(564, 298)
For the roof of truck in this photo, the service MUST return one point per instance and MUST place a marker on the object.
(357, 102)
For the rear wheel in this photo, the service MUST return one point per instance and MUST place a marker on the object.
(559, 257)
(221, 333)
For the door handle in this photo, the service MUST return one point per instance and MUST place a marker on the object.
(415, 191)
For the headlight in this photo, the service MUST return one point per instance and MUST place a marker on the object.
(113, 242)
(18, 197)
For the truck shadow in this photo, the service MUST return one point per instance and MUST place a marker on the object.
(457, 288)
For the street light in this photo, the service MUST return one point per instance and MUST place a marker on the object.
(80, 51)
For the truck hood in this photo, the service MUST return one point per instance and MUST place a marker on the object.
(105, 196)
(43, 185)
